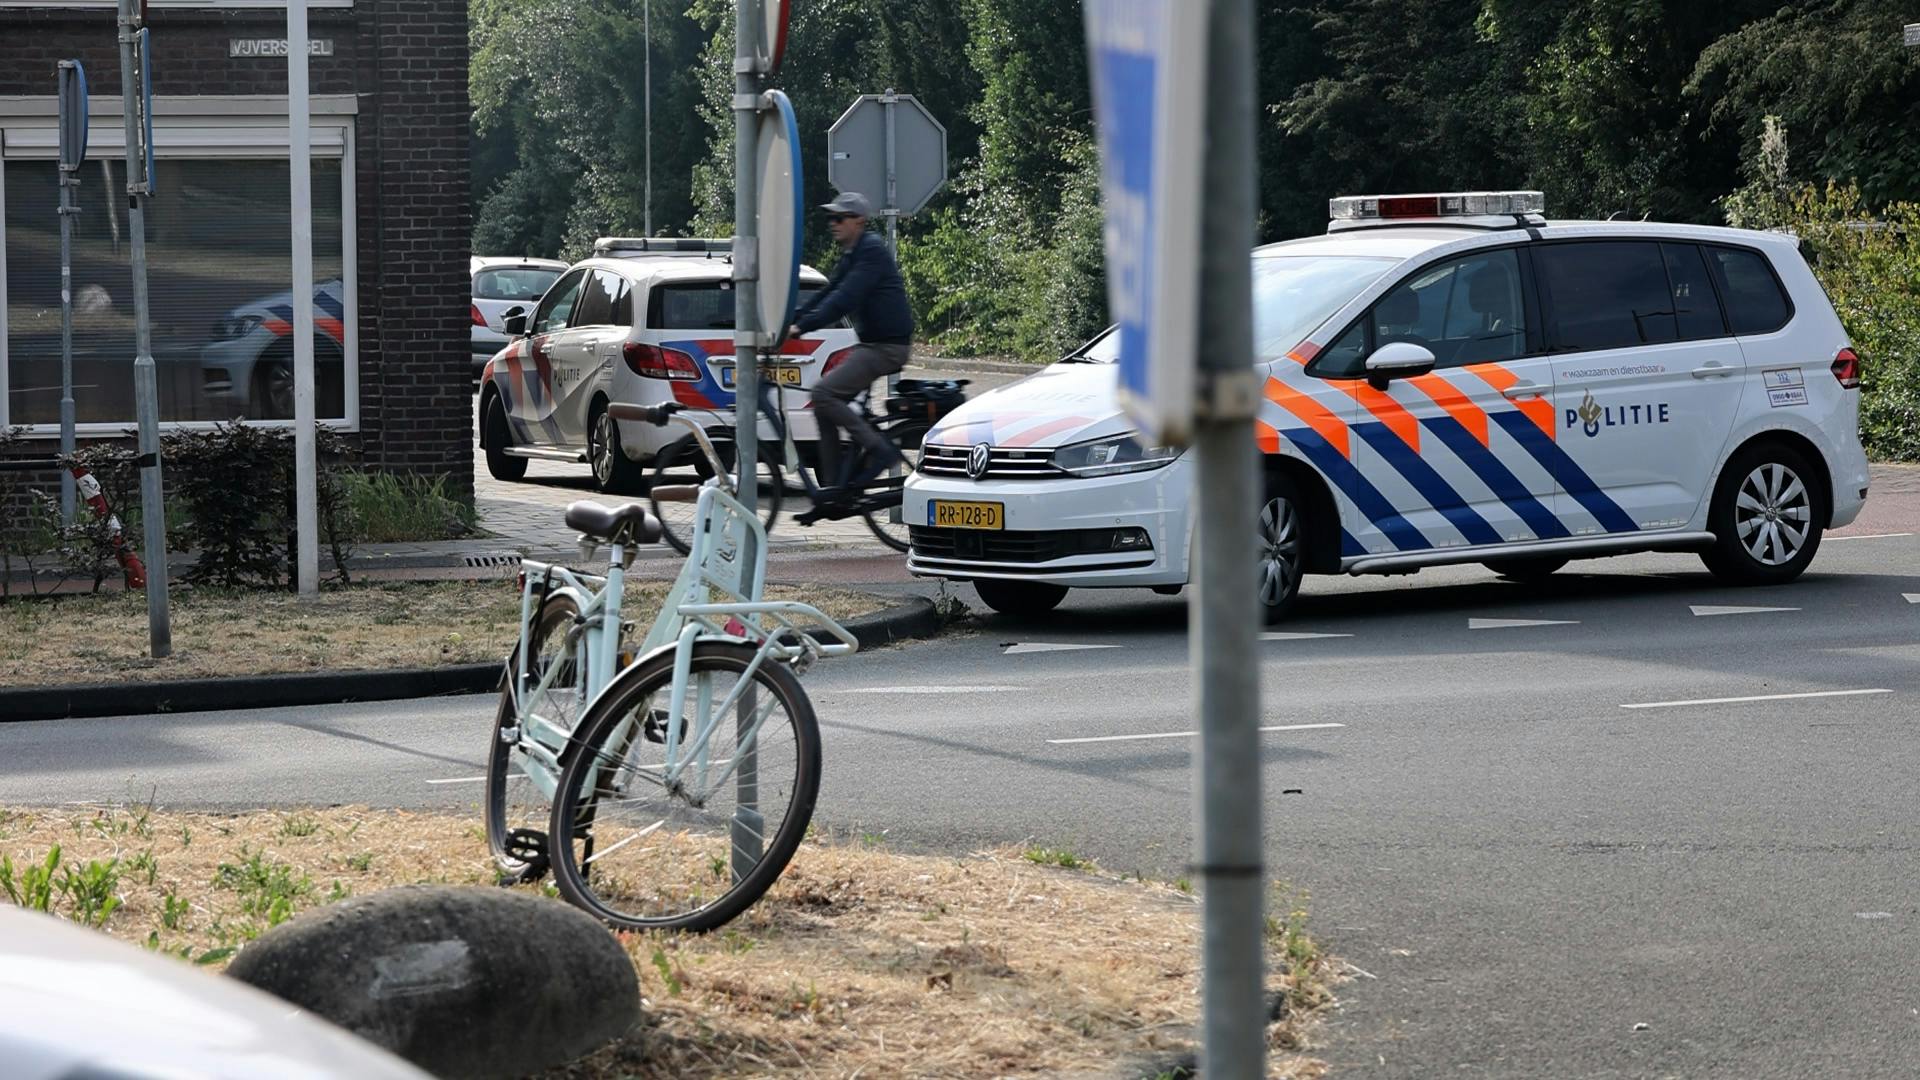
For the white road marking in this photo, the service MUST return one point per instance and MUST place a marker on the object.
(1710, 609)
(934, 690)
(1048, 646)
(1873, 914)
(1869, 536)
(466, 779)
(1284, 635)
(1184, 734)
(1509, 624)
(1755, 697)
(1912, 597)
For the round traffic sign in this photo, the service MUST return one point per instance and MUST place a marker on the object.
(73, 114)
(773, 46)
(777, 167)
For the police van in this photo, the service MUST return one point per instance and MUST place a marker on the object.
(1447, 379)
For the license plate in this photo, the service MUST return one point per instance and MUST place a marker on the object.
(968, 515)
(779, 375)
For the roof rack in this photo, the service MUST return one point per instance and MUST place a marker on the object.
(623, 246)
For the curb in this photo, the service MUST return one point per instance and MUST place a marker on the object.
(962, 365)
(916, 618)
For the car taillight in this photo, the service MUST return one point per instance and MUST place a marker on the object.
(654, 362)
(478, 319)
(1846, 368)
(835, 361)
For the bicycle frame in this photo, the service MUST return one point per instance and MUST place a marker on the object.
(594, 639)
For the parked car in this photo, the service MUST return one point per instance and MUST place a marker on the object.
(1447, 379)
(247, 365)
(643, 321)
(499, 285)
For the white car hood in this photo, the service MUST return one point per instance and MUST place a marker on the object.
(1061, 405)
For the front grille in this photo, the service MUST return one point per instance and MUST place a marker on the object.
(1002, 463)
(1038, 546)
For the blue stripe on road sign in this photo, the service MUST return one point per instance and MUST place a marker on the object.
(1336, 468)
(1572, 478)
(1430, 484)
(1506, 486)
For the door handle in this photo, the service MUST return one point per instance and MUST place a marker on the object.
(1715, 370)
(1522, 390)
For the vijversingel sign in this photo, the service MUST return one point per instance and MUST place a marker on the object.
(249, 48)
(1147, 58)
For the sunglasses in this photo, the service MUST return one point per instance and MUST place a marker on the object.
(835, 219)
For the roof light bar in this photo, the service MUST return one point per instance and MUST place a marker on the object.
(677, 244)
(1449, 204)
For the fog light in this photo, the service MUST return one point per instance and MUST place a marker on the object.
(1130, 539)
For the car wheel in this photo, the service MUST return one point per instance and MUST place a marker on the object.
(1526, 569)
(500, 464)
(613, 472)
(1766, 517)
(272, 390)
(1019, 597)
(1281, 548)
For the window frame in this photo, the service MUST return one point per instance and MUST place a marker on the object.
(1717, 274)
(1529, 300)
(245, 127)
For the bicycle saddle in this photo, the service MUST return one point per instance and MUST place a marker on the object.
(631, 522)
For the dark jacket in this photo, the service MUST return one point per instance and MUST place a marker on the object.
(865, 284)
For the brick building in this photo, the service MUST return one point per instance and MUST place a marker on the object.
(388, 81)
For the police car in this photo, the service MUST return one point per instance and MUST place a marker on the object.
(644, 321)
(1447, 379)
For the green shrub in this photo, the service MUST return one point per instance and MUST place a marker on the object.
(390, 507)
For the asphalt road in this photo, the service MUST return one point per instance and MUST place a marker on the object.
(1535, 818)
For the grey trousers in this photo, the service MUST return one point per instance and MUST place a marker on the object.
(831, 394)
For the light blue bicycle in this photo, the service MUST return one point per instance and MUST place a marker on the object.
(678, 784)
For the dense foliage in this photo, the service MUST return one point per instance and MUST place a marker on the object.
(1637, 108)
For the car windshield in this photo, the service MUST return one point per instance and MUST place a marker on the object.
(1292, 294)
(513, 283)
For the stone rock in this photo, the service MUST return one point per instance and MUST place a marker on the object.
(463, 982)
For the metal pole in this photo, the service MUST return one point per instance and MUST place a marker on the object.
(747, 821)
(1227, 695)
(646, 22)
(889, 102)
(300, 169)
(146, 396)
(67, 183)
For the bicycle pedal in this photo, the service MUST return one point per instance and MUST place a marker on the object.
(528, 846)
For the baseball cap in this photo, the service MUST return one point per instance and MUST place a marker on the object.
(849, 202)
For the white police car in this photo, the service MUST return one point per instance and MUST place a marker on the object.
(1449, 379)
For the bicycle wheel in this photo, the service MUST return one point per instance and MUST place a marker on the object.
(681, 463)
(517, 811)
(890, 532)
(643, 857)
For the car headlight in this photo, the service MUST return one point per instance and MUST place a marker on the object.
(238, 326)
(1112, 454)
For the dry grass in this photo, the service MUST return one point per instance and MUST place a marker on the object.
(860, 961)
(103, 637)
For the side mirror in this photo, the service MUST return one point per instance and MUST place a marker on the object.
(1397, 360)
(514, 322)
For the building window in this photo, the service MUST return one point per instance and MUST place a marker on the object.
(219, 280)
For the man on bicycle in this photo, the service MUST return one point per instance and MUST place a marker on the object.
(866, 285)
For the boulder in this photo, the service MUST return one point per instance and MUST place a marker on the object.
(464, 982)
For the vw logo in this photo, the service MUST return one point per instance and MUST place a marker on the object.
(977, 461)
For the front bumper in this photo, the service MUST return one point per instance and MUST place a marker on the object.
(1050, 523)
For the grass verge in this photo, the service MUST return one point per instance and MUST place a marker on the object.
(860, 961)
(102, 637)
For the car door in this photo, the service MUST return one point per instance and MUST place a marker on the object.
(575, 353)
(527, 383)
(1460, 456)
(1646, 379)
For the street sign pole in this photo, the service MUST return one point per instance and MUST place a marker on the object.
(73, 153)
(891, 101)
(137, 112)
(1226, 624)
(646, 34)
(748, 28)
(306, 488)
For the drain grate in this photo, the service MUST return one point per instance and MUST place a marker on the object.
(489, 561)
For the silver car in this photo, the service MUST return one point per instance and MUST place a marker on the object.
(500, 285)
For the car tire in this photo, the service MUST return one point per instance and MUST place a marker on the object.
(1019, 597)
(613, 472)
(1527, 569)
(500, 464)
(271, 395)
(1764, 493)
(1281, 544)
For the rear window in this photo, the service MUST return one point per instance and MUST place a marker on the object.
(513, 283)
(706, 305)
(1755, 302)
